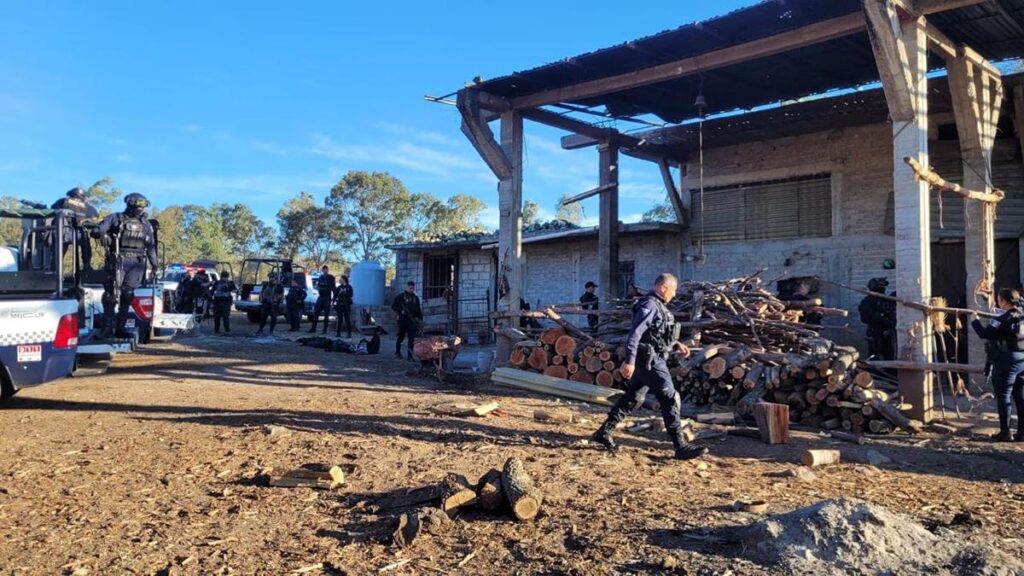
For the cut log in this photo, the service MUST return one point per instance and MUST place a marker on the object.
(522, 496)
(605, 355)
(583, 376)
(513, 334)
(773, 422)
(812, 458)
(538, 359)
(893, 415)
(456, 493)
(608, 366)
(518, 357)
(594, 365)
(715, 368)
(556, 372)
(560, 416)
(753, 376)
(738, 373)
(557, 360)
(572, 368)
(880, 426)
(551, 335)
(488, 490)
(306, 478)
(565, 345)
(864, 379)
(604, 378)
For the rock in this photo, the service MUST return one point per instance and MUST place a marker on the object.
(276, 431)
(876, 458)
(804, 473)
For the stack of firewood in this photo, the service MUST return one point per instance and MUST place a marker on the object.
(558, 354)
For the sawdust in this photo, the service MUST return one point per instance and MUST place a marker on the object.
(847, 536)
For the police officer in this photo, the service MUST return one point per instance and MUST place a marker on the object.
(75, 201)
(130, 242)
(879, 315)
(270, 299)
(223, 290)
(295, 301)
(1005, 334)
(410, 315)
(651, 340)
(325, 287)
(590, 301)
(343, 305)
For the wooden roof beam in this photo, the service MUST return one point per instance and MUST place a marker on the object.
(479, 134)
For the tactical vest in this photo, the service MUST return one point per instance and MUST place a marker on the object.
(222, 290)
(1014, 342)
(133, 235)
(662, 334)
(270, 294)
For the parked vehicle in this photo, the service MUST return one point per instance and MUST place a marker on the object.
(39, 306)
(254, 272)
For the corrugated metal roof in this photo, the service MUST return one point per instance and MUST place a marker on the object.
(544, 236)
(994, 28)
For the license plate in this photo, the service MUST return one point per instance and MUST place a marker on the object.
(30, 353)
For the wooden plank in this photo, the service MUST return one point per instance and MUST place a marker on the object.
(933, 366)
(588, 194)
(777, 44)
(480, 135)
(608, 223)
(893, 61)
(554, 386)
(682, 214)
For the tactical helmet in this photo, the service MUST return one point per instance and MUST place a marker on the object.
(76, 192)
(136, 200)
(878, 284)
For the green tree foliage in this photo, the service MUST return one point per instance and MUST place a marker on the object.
(246, 234)
(373, 208)
(662, 212)
(104, 195)
(10, 228)
(203, 233)
(432, 219)
(569, 212)
(531, 211)
(309, 231)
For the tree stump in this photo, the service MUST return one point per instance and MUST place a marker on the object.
(772, 422)
(522, 496)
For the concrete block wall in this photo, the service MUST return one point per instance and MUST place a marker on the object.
(476, 282)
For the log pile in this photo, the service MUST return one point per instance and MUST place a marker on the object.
(748, 346)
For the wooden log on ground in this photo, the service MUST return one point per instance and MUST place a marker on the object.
(538, 359)
(583, 377)
(715, 368)
(880, 426)
(890, 413)
(518, 357)
(773, 422)
(489, 493)
(738, 373)
(306, 478)
(863, 379)
(604, 378)
(456, 492)
(522, 496)
(551, 335)
(560, 416)
(556, 372)
(513, 334)
(753, 376)
(565, 345)
(608, 366)
(593, 365)
(812, 458)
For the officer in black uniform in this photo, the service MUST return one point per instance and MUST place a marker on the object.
(343, 306)
(879, 315)
(1005, 334)
(76, 202)
(295, 301)
(223, 290)
(410, 318)
(652, 339)
(130, 242)
(325, 287)
(270, 299)
(590, 301)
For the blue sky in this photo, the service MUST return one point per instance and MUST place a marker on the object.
(201, 102)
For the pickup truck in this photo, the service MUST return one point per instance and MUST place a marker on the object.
(255, 271)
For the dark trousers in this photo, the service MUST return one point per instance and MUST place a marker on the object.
(659, 382)
(295, 315)
(1008, 385)
(406, 328)
(222, 313)
(133, 268)
(323, 306)
(268, 313)
(344, 312)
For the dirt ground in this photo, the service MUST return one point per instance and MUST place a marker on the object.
(150, 470)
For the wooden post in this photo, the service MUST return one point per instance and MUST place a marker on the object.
(901, 53)
(510, 222)
(977, 96)
(608, 222)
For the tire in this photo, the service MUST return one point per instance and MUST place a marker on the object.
(7, 391)
(253, 316)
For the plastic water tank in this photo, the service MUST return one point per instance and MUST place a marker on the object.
(368, 284)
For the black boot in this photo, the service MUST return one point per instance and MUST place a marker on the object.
(603, 436)
(685, 450)
(1003, 436)
(1019, 436)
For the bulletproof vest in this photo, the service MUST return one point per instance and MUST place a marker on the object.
(270, 293)
(1015, 340)
(296, 294)
(661, 334)
(133, 235)
(222, 289)
(323, 285)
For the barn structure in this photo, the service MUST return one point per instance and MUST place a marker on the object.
(770, 53)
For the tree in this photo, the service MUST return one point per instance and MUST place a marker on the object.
(10, 228)
(572, 213)
(432, 219)
(306, 230)
(662, 212)
(374, 208)
(202, 234)
(171, 223)
(245, 233)
(531, 211)
(103, 195)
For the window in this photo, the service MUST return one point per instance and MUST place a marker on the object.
(438, 274)
(794, 208)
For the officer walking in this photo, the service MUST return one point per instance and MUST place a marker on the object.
(270, 299)
(224, 290)
(343, 306)
(879, 315)
(589, 301)
(295, 301)
(651, 340)
(75, 201)
(130, 242)
(410, 315)
(1005, 335)
(325, 287)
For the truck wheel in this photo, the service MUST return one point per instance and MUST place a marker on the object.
(253, 317)
(6, 390)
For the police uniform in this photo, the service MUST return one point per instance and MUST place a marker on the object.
(133, 234)
(651, 339)
(295, 302)
(879, 315)
(409, 312)
(343, 307)
(223, 295)
(325, 286)
(270, 299)
(1005, 335)
(83, 212)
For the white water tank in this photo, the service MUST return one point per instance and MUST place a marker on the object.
(368, 284)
